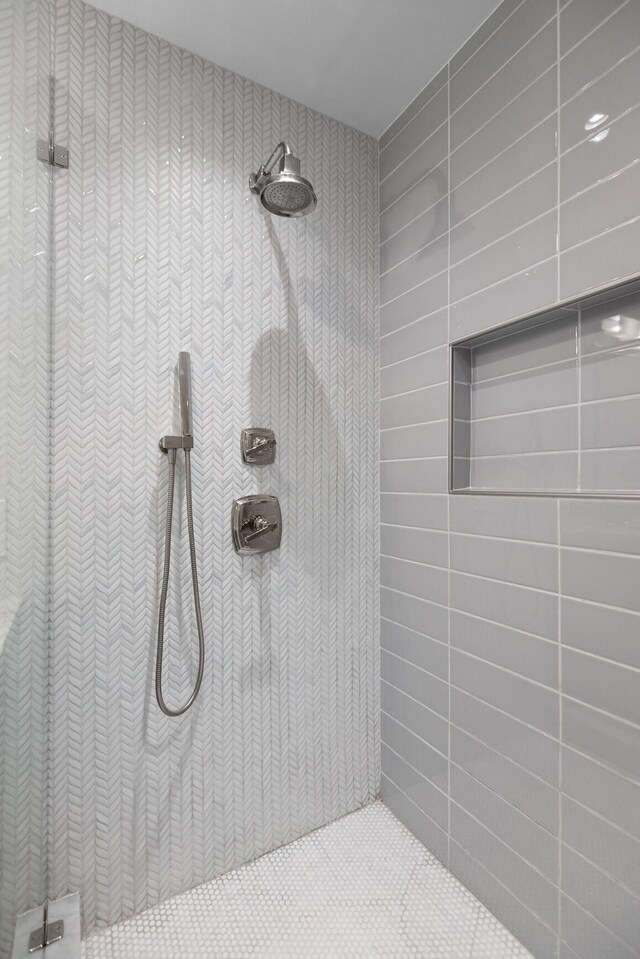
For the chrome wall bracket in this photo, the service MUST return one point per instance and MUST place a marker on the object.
(256, 524)
(258, 446)
(167, 443)
(49, 152)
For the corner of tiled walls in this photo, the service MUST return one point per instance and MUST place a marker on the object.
(510, 627)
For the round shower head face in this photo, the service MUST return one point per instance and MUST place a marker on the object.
(288, 195)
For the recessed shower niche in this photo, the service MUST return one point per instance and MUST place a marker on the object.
(550, 404)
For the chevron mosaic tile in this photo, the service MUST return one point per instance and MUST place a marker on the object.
(159, 247)
(359, 887)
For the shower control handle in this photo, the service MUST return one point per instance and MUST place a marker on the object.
(258, 446)
(260, 525)
(256, 524)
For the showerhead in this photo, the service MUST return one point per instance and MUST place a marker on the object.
(283, 192)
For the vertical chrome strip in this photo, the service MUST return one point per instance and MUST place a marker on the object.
(184, 381)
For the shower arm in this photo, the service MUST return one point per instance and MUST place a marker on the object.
(256, 181)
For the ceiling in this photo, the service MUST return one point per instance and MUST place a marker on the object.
(360, 61)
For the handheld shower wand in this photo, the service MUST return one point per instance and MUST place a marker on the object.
(170, 445)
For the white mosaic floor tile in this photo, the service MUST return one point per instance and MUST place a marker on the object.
(360, 887)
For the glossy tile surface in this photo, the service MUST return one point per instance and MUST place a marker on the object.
(361, 887)
(538, 638)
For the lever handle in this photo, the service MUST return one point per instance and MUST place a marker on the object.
(260, 444)
(260, 525)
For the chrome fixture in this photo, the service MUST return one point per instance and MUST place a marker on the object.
(284, 192)
(258, 446)
(47, 932)
(256, 524)
(170, 445)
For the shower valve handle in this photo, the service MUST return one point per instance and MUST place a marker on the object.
(260, 525)
(260, 444)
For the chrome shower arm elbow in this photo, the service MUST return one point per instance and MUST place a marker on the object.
(282, 149)
(258, 180)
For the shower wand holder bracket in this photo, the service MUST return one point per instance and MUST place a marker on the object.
(167, 443)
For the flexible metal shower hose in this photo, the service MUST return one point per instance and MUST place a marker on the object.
(165, 586)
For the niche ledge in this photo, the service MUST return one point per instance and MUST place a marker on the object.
(549, 405)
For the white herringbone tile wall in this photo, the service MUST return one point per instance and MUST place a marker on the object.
(24, 426)
(157, 246)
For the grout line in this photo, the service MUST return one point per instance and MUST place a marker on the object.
(406, 326)
(521, 454)
(600, 923)
(432, 349)
(609, 822)
(412, 732)
(602, 659)
(416, 632)
(494, 537)
(597, 183)
(414, 562)
(514, 629)
(505, 279)
(594, 31)
(473, 735)
(418, 702)
(503, 842)
(413, 459)
(500, 196)
(502, 582)
(509, 672)
(412, 186)
(609, 176)
(530, 38)
(412, 288)
(410, 426)
(600, 76)
(393, 492)
(503, 236)
(415, 769)
(569, 361)
(510, 892)
(413, 219)
(598, 236)
(409, 256)
(591, 602)
(415, 115)
(409, 155)
(513, 415)
(536, 126)
(502, 109)
(621, 720)
(417, 389)
(401, 592)
(484, 42)
(598, 762)
(504, 799)
(601, 869)
(412, 801)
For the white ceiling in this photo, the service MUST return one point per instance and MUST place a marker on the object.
(360, 61)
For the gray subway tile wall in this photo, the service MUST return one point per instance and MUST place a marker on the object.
(528, 654)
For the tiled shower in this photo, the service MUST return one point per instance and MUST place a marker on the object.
(449, 634)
